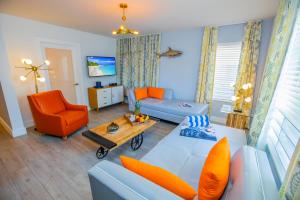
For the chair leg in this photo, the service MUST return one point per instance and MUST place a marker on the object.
(65, 138)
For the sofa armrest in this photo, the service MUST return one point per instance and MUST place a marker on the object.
(111, 181)
(76, 107)
(50, 123)
(250, 176)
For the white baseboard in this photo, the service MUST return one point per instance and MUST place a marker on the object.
(13, 132)
(219, 120)
(19, 132)
(5, 126)
(29, 123)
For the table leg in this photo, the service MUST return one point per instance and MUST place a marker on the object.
(101, 152)
(137, 142)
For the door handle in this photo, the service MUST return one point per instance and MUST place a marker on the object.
(75, 84)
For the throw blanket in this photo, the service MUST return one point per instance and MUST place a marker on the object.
(197, 132)
(197, 121)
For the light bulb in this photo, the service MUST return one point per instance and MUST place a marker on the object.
(23, 60)
(245, 86)
(47, 62)
(114, 32)
(135, 32)
(41, 79)
(23, 78)
(121, 27)
(248, 99)
(28, 61)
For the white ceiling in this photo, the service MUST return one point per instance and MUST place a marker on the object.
(101, 16)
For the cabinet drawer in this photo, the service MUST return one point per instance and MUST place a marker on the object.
(106, 96)
(104, 103)
(106, 91)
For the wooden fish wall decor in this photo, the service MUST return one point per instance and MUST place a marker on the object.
(170, 53)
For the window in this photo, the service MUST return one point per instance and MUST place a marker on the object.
(282, 127)
(227, 63)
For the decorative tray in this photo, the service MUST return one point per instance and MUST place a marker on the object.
(136, 119)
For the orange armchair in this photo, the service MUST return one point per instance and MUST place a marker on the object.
(53, 115)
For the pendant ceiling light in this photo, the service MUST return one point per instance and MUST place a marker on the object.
(123, 30)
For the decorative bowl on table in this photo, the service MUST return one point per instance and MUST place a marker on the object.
(112, 128)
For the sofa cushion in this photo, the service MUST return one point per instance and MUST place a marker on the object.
(159, 176)
(72, 116)
(174, 106)
(50, 102)
(215, 172)
(157, 93)
(140, 93)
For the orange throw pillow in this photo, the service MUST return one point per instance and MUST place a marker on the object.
(215, 172)
(140, 93)
(160, 177)
(157, 93)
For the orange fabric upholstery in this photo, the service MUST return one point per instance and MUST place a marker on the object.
(140, 93)
(71, 116)
(160, 177)
(215, 172)
(53, 115)
(157, 93)
(50, 103)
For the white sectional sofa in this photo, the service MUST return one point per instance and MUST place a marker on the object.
(169, 109)
(250, 173)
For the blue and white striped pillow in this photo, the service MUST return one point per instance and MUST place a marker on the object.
(197, 121)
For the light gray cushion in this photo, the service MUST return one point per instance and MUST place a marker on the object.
(168, 94)
(174, 107)
(185, 156)
(250, 177)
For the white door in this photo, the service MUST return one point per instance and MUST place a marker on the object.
(117, 94)
(61, 73)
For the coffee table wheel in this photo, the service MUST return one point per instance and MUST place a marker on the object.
(137, 142)
(101, 152)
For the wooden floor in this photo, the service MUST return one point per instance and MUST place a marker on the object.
(42, 167)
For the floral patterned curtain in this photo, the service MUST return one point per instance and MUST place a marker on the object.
(137, 60)
(247, 67)
(283, 26)
(206, 75)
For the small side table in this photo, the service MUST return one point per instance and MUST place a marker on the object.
(238, 120)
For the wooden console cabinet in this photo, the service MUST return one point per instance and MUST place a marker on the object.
(102, 97)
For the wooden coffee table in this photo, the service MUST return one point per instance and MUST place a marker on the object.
(110, 141)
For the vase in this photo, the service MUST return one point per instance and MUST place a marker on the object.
(137, 109)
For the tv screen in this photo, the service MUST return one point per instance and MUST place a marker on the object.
(101, 66)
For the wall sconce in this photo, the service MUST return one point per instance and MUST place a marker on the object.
(35, 70)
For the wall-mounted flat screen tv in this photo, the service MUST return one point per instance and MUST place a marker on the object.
(101, 66)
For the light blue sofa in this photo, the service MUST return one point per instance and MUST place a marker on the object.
(169, 109)
(250, 173)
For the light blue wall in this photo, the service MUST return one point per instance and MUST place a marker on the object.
(181, 73)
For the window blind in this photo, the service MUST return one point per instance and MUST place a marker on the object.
(283, 120)
(226, 69)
